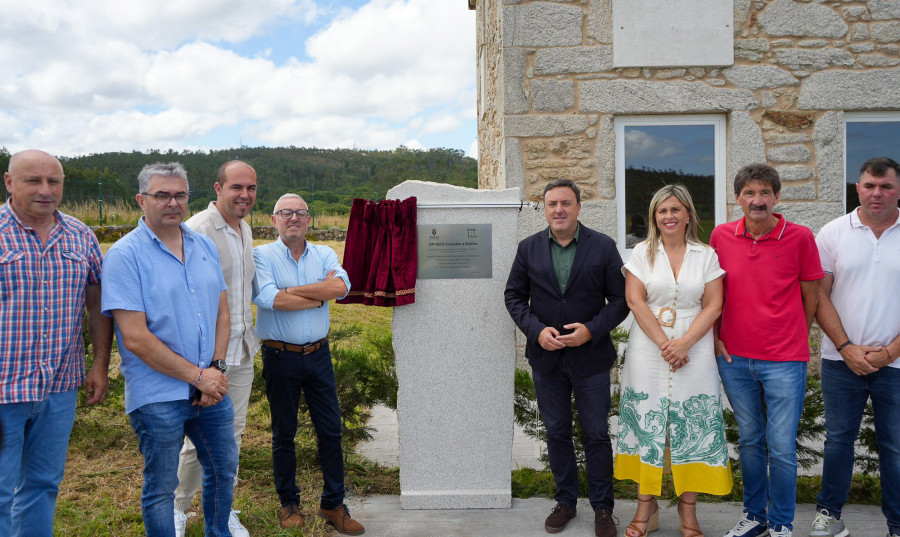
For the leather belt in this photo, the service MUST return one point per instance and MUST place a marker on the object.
(299, 349)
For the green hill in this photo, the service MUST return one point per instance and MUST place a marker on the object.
(329, 177)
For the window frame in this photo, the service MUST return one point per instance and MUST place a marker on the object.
(719, 123)
(882, 116)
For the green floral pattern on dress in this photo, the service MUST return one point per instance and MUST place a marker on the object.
(696, 429)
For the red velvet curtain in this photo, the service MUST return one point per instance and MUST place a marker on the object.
(380, 253)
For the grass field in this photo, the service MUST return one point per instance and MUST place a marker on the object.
(100, 495)
(127, 213)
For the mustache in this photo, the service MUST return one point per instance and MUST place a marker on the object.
(754, 207)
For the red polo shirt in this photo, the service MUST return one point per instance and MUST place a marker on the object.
(763, 313)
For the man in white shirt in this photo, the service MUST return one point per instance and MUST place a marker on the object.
(223, 222)
(857, 309)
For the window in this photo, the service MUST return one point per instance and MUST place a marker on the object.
(652, 151)
(867, 135)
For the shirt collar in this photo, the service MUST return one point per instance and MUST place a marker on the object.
(217, 219)
(574, 238)
(776, 233)
(60, 221)
(185, 231)
(856, 222)
(287, 251)
(692, 246)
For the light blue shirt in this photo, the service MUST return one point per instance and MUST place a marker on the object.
(180, 300)
(277, 270)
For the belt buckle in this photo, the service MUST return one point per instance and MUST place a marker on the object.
(668, 322)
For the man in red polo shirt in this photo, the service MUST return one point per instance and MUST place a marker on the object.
(772, 271)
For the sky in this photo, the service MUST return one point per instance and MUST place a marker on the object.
(134, 75)
(688, 148)
(867, 139)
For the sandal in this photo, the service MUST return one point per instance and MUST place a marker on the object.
(685, 530)
(650, 524)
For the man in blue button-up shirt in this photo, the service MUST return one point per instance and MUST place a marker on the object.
(167, 295)
(293, 283)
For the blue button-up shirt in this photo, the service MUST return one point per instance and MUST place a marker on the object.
(180, 300)
(276, 270)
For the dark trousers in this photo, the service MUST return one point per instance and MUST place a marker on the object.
(287, 374)
(846, 394)
(554, 396)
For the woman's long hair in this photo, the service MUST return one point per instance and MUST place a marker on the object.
(690, 232)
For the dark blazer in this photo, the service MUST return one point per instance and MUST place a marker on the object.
(595, 296)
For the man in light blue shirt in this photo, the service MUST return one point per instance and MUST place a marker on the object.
(293, 283)
(167, 295)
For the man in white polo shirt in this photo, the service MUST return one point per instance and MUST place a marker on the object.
(857, 309)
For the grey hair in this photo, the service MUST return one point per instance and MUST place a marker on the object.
(167, 169)
(287, 196)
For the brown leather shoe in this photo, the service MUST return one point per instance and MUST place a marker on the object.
(605, 523)
(291, 517)
(559, 517)
(340, 519)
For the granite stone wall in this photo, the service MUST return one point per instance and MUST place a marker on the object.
(549, 95)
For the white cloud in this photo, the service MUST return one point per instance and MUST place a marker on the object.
(641, 145)
(473, 149)
(414, 144)
(330, 131)
(442, 122)
(111, 75)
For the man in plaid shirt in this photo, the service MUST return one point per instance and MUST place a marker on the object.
(49, 272)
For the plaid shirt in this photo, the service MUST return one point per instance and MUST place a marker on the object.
(42, 301)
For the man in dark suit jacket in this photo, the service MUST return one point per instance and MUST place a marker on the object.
(566, 293)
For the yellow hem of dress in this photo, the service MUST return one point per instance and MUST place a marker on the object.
(691, 477)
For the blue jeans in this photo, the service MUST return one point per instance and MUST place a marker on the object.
(767, 399)
(846, 394)
(287, 374)
(33, 445)
(160, 428)
(554, 397)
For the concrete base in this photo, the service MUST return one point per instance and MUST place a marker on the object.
(455, 353)
(456, 499)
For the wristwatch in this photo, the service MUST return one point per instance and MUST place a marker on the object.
(219, 364)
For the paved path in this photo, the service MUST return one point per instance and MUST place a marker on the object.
(382, 516)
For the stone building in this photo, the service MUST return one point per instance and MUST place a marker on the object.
(564, 85)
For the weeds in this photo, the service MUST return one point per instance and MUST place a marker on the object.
(101, 492)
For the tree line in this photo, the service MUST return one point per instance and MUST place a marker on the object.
(330, 178)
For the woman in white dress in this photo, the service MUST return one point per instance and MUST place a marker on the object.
(671, 403)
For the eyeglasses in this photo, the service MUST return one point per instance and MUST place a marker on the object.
(287, 213)
(163, 198)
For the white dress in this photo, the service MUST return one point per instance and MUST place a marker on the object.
(686, 404)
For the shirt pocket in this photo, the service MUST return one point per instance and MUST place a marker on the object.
(13, 274)
(71, 272)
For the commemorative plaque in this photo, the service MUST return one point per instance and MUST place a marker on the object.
(454, 251)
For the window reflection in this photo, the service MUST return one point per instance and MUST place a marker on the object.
(666, 154)
(865, 140)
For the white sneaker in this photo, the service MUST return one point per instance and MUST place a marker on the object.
(234, 525)
(180, 522)
(783, 532)
(826, 525)
(747, 527)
